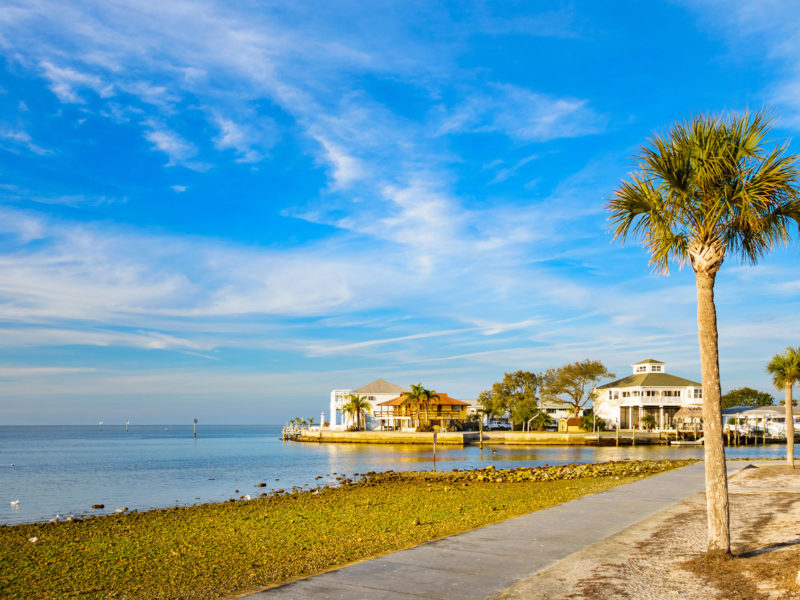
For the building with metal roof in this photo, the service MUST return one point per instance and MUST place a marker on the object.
(648, 391)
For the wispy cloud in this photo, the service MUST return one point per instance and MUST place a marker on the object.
(17, 140)
(522, 114)
(178, 150)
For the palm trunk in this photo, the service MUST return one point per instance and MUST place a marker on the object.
(717, 507)
(789, 426)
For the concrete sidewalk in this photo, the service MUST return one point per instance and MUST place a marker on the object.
(483, 562)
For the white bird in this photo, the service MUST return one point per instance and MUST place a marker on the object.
(119, 510)
(14, 503)
(33, 540)
(247, 496)
(56, 519)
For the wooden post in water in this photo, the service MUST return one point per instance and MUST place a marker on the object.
(434, 452)
(480, 432)
(127, 422)
(195, 428)
(633, 435)
(101, 424)
(617, 433)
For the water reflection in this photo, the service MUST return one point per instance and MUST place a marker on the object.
(152, 467)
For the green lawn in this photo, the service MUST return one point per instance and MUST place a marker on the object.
(217, 550)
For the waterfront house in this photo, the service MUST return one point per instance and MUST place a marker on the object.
(752, 419)
(443, 412)
(376, 392)
(649, 390)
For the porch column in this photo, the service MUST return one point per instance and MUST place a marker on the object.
(661, 417)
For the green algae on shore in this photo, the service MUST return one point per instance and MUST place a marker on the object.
(217, 550)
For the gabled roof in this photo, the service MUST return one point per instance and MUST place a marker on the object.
(649, 361)
(443, 399)
(650, 380)
(380, 386)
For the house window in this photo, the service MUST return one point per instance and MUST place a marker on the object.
(656, 369)
(651, 393)
(615, 395)
(626, 394)
(641, 369)
(698, 392)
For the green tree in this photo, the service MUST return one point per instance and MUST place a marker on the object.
(746, 396)
(415, 399)
(572, 381)
(785, 371)
(356, 407)
(589, 422)
(427, 398)
(649, 422)
(707, 188)
(517, 393)
(541, 420)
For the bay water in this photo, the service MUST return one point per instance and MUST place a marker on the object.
(64, 470)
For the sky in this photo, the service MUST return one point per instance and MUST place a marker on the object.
(225, 210)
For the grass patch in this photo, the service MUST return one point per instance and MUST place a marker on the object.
(216, 550)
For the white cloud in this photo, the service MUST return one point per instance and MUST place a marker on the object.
(16, 139)
(522, 114)
(65, 81)
(178, 150)
(244, 139)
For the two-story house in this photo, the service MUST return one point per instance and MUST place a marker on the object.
(650, 390)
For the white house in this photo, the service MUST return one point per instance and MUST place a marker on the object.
(376, 392)
(650, 390)
(751, 419)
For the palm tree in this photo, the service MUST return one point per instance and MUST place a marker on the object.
(415, 399)
(708, 188)
(429, 397)
(785, 371)
(355, 407)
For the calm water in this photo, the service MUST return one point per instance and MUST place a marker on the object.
(65, 470)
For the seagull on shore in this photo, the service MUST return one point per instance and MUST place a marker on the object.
(56, 519)
(14, 503)
(33, 540)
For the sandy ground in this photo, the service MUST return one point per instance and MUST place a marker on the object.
(662, 557)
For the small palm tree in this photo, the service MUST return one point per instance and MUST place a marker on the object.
(415, 399)
(785, 371)
(357, 406)
(706, 189)
(541, 420)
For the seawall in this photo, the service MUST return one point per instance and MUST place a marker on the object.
(389, 437)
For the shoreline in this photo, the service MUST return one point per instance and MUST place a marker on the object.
(510, 438)
(218, 549)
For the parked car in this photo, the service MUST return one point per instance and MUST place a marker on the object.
(497, 426)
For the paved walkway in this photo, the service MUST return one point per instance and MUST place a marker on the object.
(481, 563)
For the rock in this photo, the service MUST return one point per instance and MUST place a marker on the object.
(33, 540)
(98, 505)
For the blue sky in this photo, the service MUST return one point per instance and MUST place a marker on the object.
(225, 210)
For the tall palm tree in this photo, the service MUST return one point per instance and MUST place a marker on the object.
(707, 188)
(430, 396)
(357, 406)
(785, 371)
(415, 399)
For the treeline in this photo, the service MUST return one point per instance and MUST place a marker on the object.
(520, 394)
